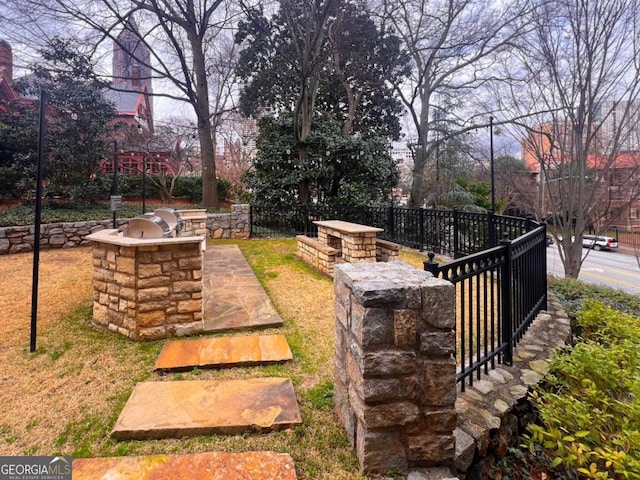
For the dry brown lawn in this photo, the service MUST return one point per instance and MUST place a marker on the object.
(34, 394)
(65, 398)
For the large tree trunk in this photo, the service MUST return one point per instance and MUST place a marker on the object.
(418, 185)
(418, 191)
(203, 113)
(208, 156)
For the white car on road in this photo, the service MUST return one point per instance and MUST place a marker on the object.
(599, 242)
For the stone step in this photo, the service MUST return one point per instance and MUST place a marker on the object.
(233, 298)
(181, 355)
(188, 408)
(209, 465)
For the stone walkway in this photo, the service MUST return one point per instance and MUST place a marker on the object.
(188, 408)
(233, 297)
(211, 465)
(252, 350)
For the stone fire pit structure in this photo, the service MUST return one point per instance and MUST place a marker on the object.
(150, 288)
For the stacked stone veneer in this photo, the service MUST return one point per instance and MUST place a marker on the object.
(147, 289)
(192, 222)
(387, 251)
(354, 248)
(320, 256)
(395, 387)
(236, 224)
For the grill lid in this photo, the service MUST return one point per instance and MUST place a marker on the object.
(147, 226)
(168, 215)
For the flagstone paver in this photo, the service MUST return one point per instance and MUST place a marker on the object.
(181, 355)
(185, 408)
(232, 295)
(209, 465)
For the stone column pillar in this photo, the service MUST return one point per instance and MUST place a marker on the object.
(395, 386)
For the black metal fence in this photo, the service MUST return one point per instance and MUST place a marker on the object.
(499, 292)
(449, 232)
(499, 267)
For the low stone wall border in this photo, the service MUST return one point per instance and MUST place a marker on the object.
(19, 239)
(495, 410)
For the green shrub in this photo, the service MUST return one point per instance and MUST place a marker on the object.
(572, 293)
(130, 185)
(9, 181)
(590, 407)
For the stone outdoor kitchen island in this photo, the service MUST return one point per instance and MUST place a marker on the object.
(395, 382)
(147, 289)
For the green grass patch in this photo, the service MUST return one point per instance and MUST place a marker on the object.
(321, 396)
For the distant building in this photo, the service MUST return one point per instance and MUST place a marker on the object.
(7, 93)
(130, 91)
(10, 100)
(131, 86)
(621, 119)
(620, 176)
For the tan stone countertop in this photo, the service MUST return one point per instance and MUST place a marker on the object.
(114, 237)
(347, 227)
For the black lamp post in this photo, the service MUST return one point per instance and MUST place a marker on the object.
(114, 184)
(144, 184)
(38, 218)
(144, 177)
(493, 182)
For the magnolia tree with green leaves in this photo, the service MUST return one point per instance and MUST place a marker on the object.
(319, 73)
(339, 169)
(78, 116)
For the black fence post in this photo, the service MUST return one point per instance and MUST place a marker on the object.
(431, 265)
(304, 212)
(250, 220)
(530, 224)
(391, 227)
(493, 237)
(456, 234)
(421, 239)
(507, 334)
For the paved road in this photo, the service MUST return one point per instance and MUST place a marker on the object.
(614, 268)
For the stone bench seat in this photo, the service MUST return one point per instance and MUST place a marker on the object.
(317, 254)
(386, 251)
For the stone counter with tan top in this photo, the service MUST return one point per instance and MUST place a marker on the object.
(147, 289)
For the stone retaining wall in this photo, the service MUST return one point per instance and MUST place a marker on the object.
(395, 388)
(73, 234)
(52, 235)
(495, 410)
(236, 224)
